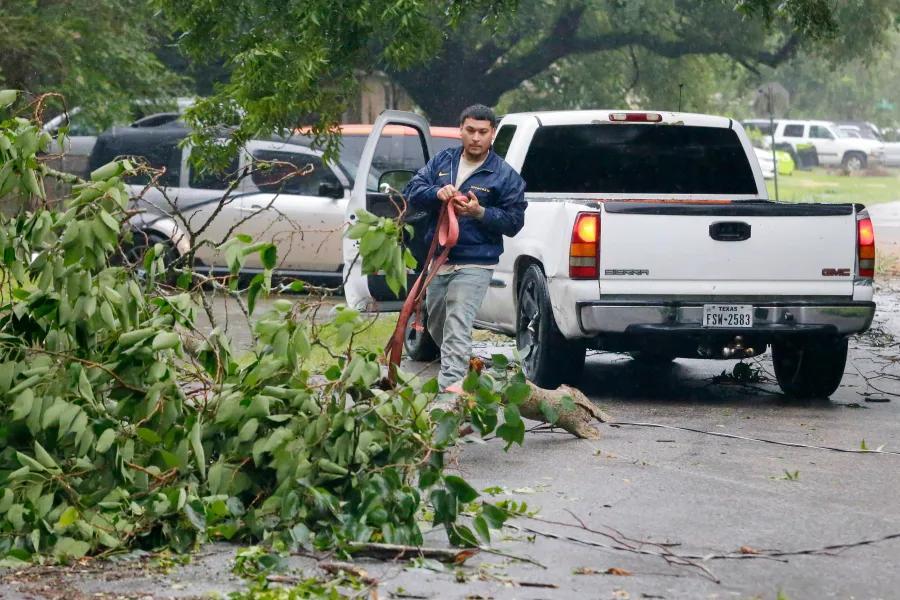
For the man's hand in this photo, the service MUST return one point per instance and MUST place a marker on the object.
(468, 206)
(447, 193)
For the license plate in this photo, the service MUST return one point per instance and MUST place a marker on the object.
(728, 315)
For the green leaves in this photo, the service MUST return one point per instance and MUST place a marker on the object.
(8, 97)
(268, 255)
(20, 140)
(446, 507)
(517, 392)
(120, 417)
(109, 170)
(491, 517)
(380, 247)
(257, 286)
(550, 413)
(165, 340)
(460, 489)
(67, 548)
(197, 447)
(44, 457)
(106, 440)
(23, 404)
(66, 518)
(513, 429)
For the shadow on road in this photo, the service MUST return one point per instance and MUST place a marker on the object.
(619, 378)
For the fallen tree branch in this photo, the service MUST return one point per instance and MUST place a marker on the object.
(336, 567)
(623, 543)
(869, 383)
(829, 550)
(627, 544)
(761, 440)
(537, 584)
(668, 556)
(64, 177)
(577, 419)
(397, 551)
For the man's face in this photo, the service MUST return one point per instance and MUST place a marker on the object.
(476, 138)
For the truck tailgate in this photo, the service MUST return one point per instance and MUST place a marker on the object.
(739, 249)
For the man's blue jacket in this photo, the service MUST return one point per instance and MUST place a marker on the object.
(499, 189)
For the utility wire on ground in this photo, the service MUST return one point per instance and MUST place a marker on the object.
(753, 439)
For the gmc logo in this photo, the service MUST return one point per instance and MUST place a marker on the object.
(626, 272)
(835, 272)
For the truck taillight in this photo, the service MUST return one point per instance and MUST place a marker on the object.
(635, 117)
(865, 245)
(584, 251)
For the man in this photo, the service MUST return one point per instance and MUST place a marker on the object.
(489, 198)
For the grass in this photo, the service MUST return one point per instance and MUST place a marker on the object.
(375, 337)
(820, 185)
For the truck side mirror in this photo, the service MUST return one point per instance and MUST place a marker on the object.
(395, 179)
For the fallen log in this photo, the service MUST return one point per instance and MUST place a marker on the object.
(397, 551)
(577, 417)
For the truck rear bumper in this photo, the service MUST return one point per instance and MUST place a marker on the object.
(837, 318)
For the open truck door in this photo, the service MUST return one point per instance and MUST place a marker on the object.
(371, 292)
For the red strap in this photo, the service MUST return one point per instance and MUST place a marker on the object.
(446, 236)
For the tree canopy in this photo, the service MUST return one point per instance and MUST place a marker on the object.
(95, 53)
(298, 62)
(823, 82)
(861, 89)
(607, 36)
(295, 62)
(286, 63)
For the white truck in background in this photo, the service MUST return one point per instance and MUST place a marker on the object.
(651, 233)
(834, 148)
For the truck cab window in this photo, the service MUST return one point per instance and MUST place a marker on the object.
(504, 137)
(290, 172)
(213, 180)
(637, 159)
(818, 132)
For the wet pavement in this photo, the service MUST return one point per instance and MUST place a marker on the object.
(664, 506)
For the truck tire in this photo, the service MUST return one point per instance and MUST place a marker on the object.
(548, 358)
(811, 369)
(419, 345)
(854, 161)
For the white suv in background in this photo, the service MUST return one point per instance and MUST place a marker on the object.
(833, 146)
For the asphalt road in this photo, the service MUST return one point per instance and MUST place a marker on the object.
(638, 493)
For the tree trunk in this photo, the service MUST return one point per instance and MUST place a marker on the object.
(578, 420)
(459, 76)
(443, 88)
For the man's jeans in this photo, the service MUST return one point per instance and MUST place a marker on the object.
(452, 300)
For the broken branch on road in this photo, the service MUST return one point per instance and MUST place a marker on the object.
(753, 439)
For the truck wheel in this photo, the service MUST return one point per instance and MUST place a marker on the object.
(548, 358)
(812, 369)
(854, 161)
(419, 345)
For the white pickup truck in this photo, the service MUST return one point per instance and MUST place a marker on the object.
(651, 233)
(834, 148)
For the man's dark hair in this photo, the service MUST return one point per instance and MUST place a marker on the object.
(479, 112)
